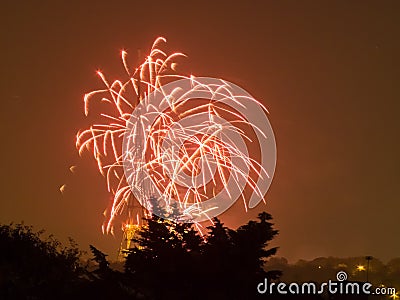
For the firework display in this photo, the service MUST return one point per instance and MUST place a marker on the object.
(190, 145)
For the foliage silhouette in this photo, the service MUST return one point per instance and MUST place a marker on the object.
(235, 258)
(172, 261)
(100, 259)
(163, 251)
(36, 267)
(169, 260)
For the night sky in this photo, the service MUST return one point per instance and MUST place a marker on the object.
(327, 71)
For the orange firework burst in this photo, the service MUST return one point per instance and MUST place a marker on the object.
(180, 140)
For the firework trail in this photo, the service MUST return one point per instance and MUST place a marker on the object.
(181, 141)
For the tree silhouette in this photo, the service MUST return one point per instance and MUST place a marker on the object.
(163, 251)
(217, 264)
(100, 258)
(106, 283)
(36, 267)
(251, 241)
(171, 261)
(235, 258)
(168, 260)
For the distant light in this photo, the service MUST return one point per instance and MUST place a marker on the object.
(360, 268)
